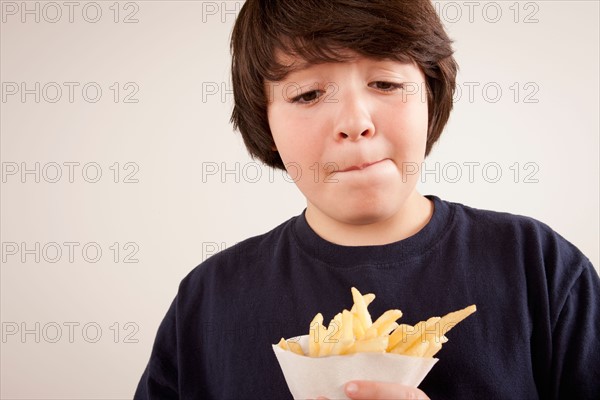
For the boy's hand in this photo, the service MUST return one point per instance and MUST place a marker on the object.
(363, 390)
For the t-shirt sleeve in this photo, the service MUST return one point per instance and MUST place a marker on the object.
(159, 380)
(576, 340)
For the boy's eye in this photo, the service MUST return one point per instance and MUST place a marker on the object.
(386, 86)
(308, 97)
(314, 95)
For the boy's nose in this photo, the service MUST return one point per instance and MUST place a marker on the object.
(353, 120)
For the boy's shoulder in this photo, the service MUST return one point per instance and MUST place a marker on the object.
(520, 231)
(491, 219)
(249, 253)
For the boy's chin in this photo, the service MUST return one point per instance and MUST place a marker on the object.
(374, 210)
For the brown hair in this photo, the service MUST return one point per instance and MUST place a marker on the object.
(319, 31)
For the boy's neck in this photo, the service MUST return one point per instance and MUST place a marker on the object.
(415, 213)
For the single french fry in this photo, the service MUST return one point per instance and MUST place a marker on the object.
(384, 324)
(450, 320)
(283, 344)
(369, 297)
(347, 325)
(357, 327)
(295, 347)
(361, 309)
(315, 334)
(386, 330)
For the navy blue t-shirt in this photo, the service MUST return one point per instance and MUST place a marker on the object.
(536, 332)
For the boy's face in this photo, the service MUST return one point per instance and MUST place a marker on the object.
(351, 137)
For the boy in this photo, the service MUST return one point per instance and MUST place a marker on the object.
(319, 89)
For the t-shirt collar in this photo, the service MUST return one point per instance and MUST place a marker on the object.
(392, 253)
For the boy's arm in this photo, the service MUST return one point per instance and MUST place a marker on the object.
(576, 337)
(159, 380)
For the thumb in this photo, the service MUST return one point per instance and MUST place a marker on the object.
(363, 390)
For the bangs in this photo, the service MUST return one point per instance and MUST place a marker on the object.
(293, 54)
(316, 32)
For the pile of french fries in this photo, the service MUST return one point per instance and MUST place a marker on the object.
(354, 332)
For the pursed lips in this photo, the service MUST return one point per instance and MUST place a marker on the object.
(361, 166)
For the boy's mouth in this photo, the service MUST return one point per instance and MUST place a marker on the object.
(361, 166)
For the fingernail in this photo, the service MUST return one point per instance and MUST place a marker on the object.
(352, 388)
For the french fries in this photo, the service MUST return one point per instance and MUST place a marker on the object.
(355, 332)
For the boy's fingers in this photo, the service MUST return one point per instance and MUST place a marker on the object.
(363, 390)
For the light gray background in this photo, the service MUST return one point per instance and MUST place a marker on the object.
(177, 214)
